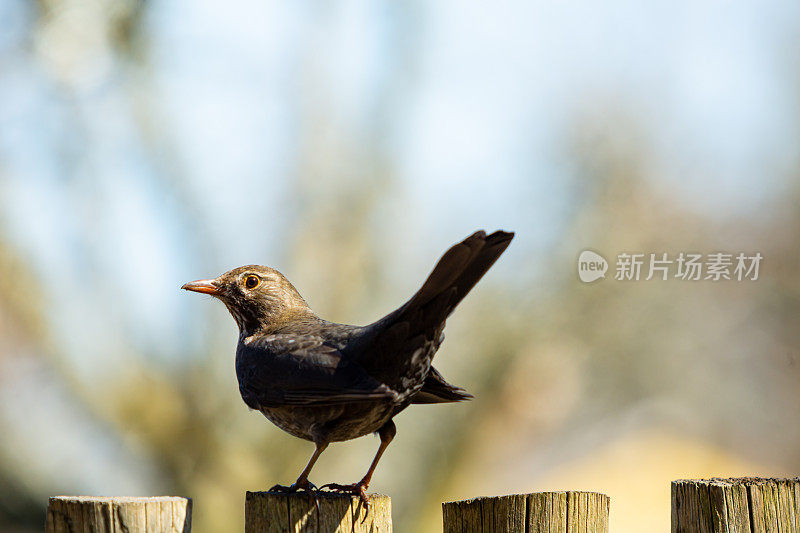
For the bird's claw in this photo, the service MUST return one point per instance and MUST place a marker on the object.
(295, 487)
(356, 489)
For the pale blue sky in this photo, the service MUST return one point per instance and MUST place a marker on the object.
(473, 105)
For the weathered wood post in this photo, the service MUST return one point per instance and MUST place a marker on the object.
(540, 512)
(735, 505)
(274, 512)
(160, 514)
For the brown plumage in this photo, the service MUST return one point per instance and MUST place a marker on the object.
(328, 382)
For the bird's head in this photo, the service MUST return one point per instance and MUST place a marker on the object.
(259, 298)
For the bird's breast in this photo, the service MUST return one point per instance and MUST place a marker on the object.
(331, 423)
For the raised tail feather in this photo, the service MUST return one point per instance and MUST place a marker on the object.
(456, 273)
(461, 267)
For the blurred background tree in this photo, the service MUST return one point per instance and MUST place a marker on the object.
(146, 144)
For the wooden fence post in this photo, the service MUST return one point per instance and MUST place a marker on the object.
(735, 505)
(274, 512)
(540, 512)
(160, 514)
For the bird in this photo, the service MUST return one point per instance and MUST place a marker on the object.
(327, 382)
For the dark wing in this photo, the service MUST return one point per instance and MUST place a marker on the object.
(437, 390)
(279, 370)
(398, 349)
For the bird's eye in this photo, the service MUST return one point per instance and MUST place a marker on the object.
(251, 282)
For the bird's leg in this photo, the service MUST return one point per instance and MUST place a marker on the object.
(302, 482)
(386, 433)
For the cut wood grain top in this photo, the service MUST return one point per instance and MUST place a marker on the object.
(104, 514)
(539, 512)
(274, 512)
(736, 505)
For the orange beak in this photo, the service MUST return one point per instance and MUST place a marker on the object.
(206, 286)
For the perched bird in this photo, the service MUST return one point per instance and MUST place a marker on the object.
(328, 382)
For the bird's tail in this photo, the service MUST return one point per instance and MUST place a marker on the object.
(461, 267)
(398, 348)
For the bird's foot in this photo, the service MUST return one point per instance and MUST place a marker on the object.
(356, 489)
(297, 486)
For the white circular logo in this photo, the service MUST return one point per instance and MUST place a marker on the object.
(591, 266)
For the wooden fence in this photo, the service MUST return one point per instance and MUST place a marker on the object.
(743, 505)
